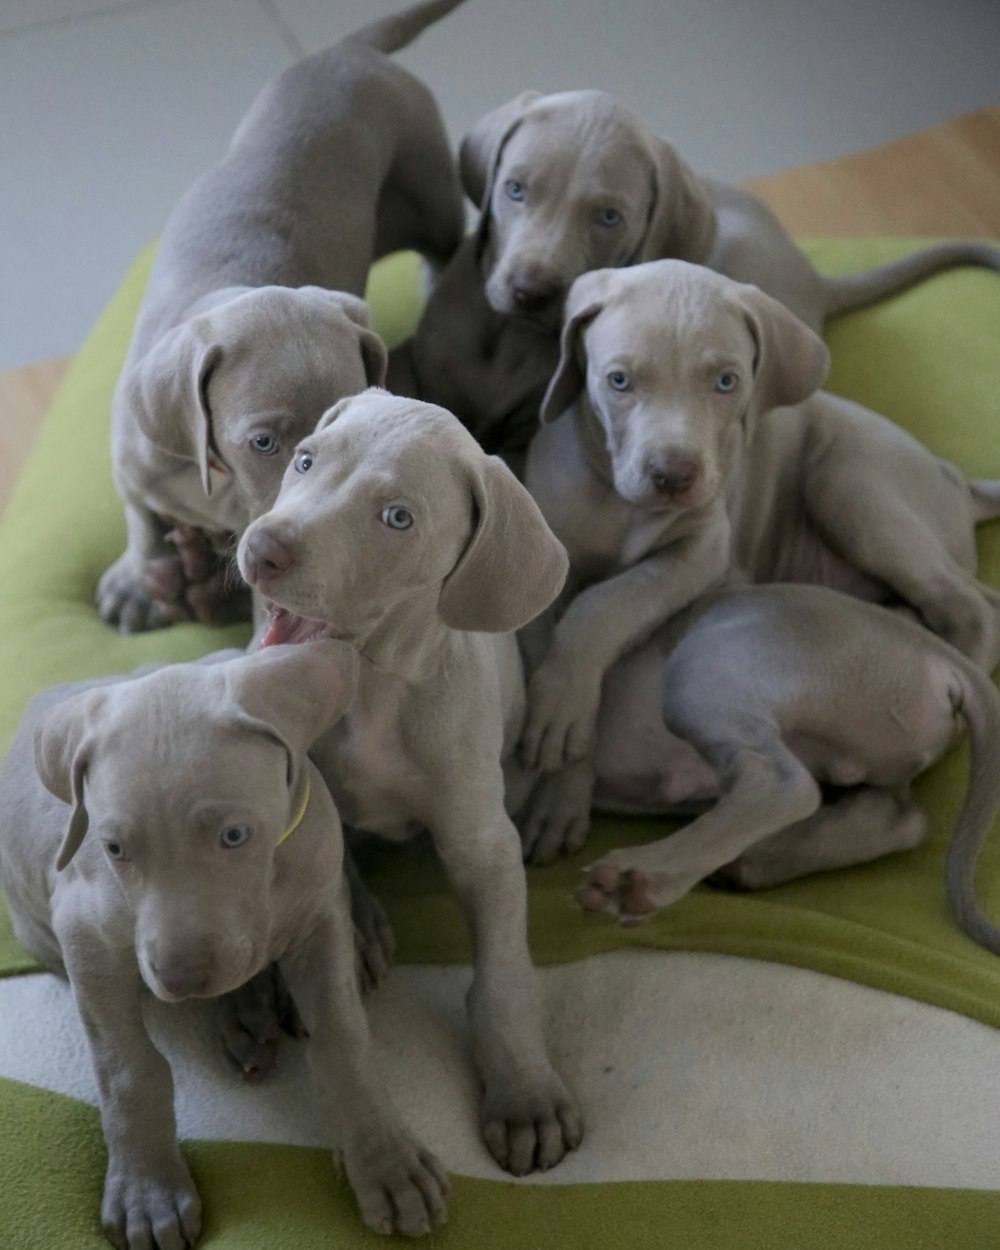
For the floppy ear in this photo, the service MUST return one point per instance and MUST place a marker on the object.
(63, 744)
(167, 392)
(479, 152)
(681, 223)
(293, 694)
(582, 305)
(513, 566)
(791, 360)
(374, 353)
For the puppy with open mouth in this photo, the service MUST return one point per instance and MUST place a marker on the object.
(395, 532)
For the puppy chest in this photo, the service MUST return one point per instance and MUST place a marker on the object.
(376, 780)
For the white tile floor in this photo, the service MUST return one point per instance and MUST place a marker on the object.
(111, 108)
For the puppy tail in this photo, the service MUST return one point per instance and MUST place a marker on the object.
(855, 290)
(389, 34)
(985, 498)
(978, 702)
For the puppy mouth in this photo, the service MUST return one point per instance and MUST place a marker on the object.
(287, 628)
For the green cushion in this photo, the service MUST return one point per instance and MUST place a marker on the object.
(928, 360)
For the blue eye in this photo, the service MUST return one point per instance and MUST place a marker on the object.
(726, 382)
(234, 836)
(619, 380)
(265, 444)
(303, 462)
(515, 190)
(397, 518)
(115, 850)
(609, 217)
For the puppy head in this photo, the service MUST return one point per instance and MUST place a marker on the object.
(180, 785)
(572, 182)
(674, 362)
(390, 510)
(248, 372)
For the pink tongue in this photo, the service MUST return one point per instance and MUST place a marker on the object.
(286, 627)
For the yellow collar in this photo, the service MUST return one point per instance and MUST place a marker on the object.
(298, 819)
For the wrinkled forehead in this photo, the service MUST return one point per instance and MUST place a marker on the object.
(416, 444)
(586, 132)
(671, 312)
(173, 741)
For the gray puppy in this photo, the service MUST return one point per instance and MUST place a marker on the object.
(168, 832)
(572, 182)
(252, 323)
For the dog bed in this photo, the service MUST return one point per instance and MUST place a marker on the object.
(928, 359)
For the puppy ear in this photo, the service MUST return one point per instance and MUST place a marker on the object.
(513, 566)
(479, 152)
(63, 745)
(293, 694)
(681, 223)
(374, 353)
(583, 304)
(791, 360)
(167, 392)
(301, 690)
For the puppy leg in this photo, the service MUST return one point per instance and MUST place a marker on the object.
(252, 1020)
(373, 935)
(400, 1187)
(122, 597)
(149, 1196)
(528, 1118)
(764, 788)
(555, 820)
(860, 826)
(905, 518)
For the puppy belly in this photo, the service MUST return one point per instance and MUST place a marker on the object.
(641, 768)
(810, 560)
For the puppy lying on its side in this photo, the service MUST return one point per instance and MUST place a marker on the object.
(747, 704)
(394, 532)
(572, 182)
(171, 833)
(252, 324)
(683, 444)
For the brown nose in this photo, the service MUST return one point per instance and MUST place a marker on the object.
(183, 977)
(266, 556)
(532, 295)
(674, 474)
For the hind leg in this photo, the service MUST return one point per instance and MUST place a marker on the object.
(764, 789)
(888, 507)
(860, 826)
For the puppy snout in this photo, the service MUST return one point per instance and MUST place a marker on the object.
(674, 474)
(533, 296)
(183, 976)
(265, 556)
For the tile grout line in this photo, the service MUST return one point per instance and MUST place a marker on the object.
(69, 19)
(281, 26)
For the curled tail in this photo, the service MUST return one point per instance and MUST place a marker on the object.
(391, 33)
(980, 707)
(854, 290)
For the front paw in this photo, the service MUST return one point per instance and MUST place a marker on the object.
(253, 1019)
(400, 1187)
(145, 1207)
(555, 820)
(563, 702)
(124, 601)
(532, 1128)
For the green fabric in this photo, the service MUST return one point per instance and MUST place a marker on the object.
(266, 1197)
(927, 358)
